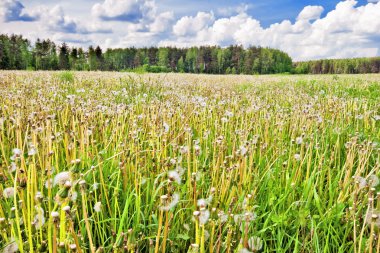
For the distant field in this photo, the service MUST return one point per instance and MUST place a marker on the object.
(118, 162)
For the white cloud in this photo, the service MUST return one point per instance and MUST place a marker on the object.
(162, 22)
(13, 10)
(123, 10)
(310, 13)
(188, 26)
(346, 31)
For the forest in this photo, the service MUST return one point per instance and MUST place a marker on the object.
(17, 52)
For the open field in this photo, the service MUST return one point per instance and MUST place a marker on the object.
(117, 162)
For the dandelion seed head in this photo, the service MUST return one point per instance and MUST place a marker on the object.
(174, 176)
(299, 140)
(61, 178)
(173, 202)
(39, 218)
(204, 216)
(9, 192)
(12, 247)
(255, 243)
(98, 207)
(373, 180)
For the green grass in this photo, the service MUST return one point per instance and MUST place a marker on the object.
(188, 163)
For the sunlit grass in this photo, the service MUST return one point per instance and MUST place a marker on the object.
(117, 162)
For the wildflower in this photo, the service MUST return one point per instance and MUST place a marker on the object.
(73, 196)
(48, 183)
(166, 127)
(54, 214)
(39, 196)
(204, 216)
(299, 140)
(62, 178)
(373, 180)
(197, 150)
(13, 167)
(98, 207)
(229, 114)
(184, 150)
(12, 247)
(255, 243)
(9, 192)
(39, 219)
(297, 157)
(174, 176)
(174, 201)
(243, 150)
(66, 208)
(222, 216)
(32, 151)
(373, 216)
(95, 186)
(16, 153)
(361, 182)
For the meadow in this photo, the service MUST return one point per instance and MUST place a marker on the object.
(120, 162)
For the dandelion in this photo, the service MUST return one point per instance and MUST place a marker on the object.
(54, 214)
(174, 201)
(98, 207)
(9, 192)
(373, 216)
(174, 176)
(362, 182)
(39, 196)
(299, 140)
(61, 178)
(16, 153)
(204, 216)
(12, 167)
(243, 150)
(39, 219)
(73, 196)
(32, 151)
(166, 127)
(12, 247)
(373, 180)
(184, 150)
(222, 217)
(255, 243)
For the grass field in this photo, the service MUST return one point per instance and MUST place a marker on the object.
(117, 162)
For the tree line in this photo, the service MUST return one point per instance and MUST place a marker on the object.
(17, 52)
(339, 66)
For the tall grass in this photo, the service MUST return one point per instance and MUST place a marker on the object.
(186, 163)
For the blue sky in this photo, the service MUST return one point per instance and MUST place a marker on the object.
(305, 29)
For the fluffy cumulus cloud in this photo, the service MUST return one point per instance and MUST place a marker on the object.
(123, 10)
(349, 30)
(310, 13)
(12, 10)
(189, 26)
